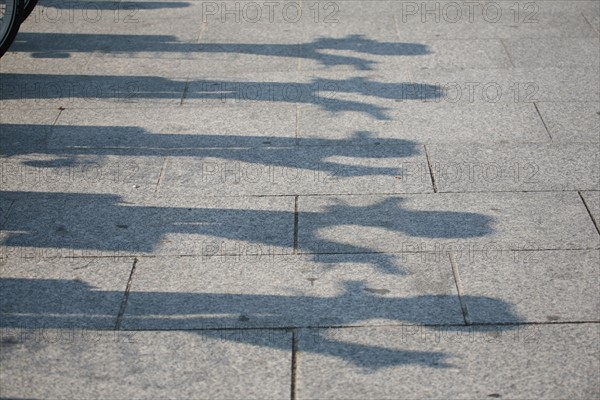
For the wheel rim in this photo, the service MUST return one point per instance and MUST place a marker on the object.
(7, 17)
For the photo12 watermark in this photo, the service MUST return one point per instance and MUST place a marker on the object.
(270, 11)
(70, 12)
(84, 172)
(469, 12)
(69, 91)
(234, 92)
(470, 92)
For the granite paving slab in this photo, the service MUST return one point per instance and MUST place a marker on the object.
(592, 202)
(515, 168)
(172, 128)
(572, 122)
(404, 118)
(542, 286)
(145, 225)
(358, 224)
(258, 289)
(60, 289)
(394, 166)
(450, 362)
(147, 365)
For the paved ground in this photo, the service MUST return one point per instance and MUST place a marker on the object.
(319, 199)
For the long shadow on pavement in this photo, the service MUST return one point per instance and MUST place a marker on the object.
(325, 93)
(48, 45)
(107, 223)
(66, 304)
(317, 155)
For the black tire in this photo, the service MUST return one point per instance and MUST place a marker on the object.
(9, 23)
(28, 6)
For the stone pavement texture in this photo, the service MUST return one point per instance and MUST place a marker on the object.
(309, 199)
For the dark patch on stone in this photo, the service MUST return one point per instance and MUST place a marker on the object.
(552, 318)
(122, 226)
(377, 291)
(8, 341)
(243, 318)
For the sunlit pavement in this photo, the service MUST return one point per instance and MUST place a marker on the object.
(312, 199)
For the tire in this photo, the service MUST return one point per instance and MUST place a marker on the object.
(11, 12)
(28, 6)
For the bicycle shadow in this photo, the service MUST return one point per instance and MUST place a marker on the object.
(71, 304)
(334, 95)
(87, 146)
(109, 224)
(48, 45)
